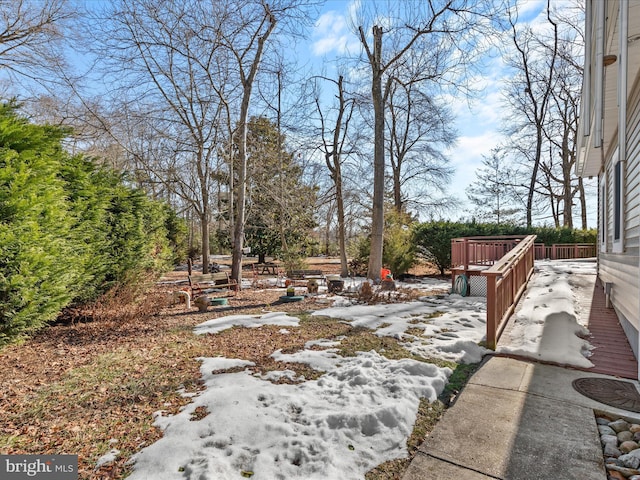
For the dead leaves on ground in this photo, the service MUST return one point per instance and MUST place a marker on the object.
(86, 388)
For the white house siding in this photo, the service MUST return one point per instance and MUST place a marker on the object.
(623, 269)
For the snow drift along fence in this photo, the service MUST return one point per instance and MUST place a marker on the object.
(506, 262)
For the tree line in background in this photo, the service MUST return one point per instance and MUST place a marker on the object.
(70, 230)
(433, 239)
(408, 243)
(531, 173)
(204, 108)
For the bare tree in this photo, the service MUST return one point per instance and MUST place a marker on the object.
(531, 91)
(493, 193)
(335, 147)
(562, 128)
(420, 128)
(446, 21)
(256, 20)
(543, 97)
(170, 66)
(185, 70)
(278, 92)
(31, 37)
(248, 56)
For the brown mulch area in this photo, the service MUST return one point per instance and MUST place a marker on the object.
(53, 399)
(88, 387)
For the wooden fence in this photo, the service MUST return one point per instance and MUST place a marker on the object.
(565, 251)
(480, 251)
(485, 251)
(506, 262)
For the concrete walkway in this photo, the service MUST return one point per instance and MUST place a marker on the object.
(516, 420)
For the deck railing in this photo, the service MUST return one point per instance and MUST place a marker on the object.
(506, 262)
(565, 251)
(481, 251)
(506, 281)
(485, 251)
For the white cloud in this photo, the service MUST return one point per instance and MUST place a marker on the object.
(530, 8)
(467, 156)
(332, 34)
(331, 28)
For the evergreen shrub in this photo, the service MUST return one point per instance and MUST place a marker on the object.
(69, 230)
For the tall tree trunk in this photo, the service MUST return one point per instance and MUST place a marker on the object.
(241, 192)
(377, 218)
(327, 231)
(567, 212)
(342, 241)
(281, 195)
(534, 176)
(583, 203)
(204, 224)
(395, 164)
(539, 105)
(333, 159)
(247, 86)
(231, 197)
(554, 210)
(337, 180)
(567, 188)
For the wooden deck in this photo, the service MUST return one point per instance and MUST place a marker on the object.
(612, 354)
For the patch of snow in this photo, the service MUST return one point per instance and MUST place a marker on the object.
(250, 321)
(109, 457)
(322, 360)
(361, 410)
(451, 326)
(545, 326)
(277, 375)
(339, 426)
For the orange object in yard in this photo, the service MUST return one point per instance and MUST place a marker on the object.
(385, 273)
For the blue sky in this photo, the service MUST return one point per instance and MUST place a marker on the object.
(477, 120)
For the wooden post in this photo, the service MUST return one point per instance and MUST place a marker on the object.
(492, 321)
(465, 255)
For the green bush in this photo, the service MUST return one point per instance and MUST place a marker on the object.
(359, 263)
(39, 266)
(433, 239)
(121, 233)
(549, 236)
(399, 252)
(69, 230)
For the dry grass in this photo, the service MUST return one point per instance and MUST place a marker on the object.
(84, 387)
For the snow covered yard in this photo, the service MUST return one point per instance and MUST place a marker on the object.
(360, 409)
